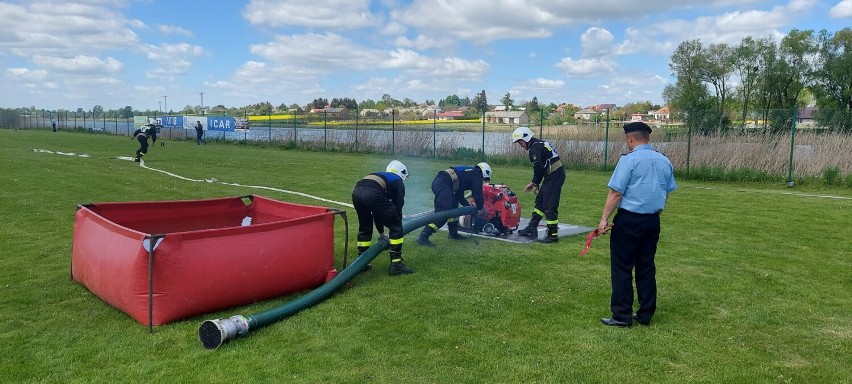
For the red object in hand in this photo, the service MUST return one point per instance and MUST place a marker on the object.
(597, 232)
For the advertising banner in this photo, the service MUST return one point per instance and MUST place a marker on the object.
(220, 123)
(172, 122)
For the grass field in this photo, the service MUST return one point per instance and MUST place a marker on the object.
(754, 283)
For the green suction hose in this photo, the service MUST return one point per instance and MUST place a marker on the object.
(214, 333)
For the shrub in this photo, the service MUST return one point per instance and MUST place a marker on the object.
(832, 176)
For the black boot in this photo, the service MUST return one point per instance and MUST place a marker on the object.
(396, 266)
(453, 226)
(361, 250)
(423, 239)
(552, 234)
(532, 228)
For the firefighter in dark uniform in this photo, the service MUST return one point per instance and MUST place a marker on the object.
(378, 199)
(142, 135)
(152, 132)
(639, 188)
(548, 177)
(449, 187)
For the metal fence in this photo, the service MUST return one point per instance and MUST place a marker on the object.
(768, 144)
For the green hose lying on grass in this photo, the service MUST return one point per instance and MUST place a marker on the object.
(214, 333)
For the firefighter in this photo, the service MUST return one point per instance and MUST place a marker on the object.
(449, 187)
(142, 135)
(378, 199)
(548, 177)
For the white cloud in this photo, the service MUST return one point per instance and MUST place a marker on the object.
(332, 14)
(62, 28)
(421, 42)
(173, 59)
(317, 54)
(586, 67)
(478, 22)
(841, 10)
(596, 42)
(78, 64)
(173, 30)
(26, 74)
(535, 88)
(458, 68)
(548, 84)
(169, 52)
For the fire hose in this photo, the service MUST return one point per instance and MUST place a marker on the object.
(214, 333)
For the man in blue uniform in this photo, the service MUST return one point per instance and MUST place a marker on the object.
(547, 181)
(449, 187)
(638, 188)
(378, 199)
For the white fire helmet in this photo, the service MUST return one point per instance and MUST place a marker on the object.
(522, 133)
(486, 170)
(398, 168)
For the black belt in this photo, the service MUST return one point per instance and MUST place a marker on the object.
(622, 210)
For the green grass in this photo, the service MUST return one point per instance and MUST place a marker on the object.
(754, 282)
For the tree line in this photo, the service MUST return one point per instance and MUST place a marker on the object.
(805, 68)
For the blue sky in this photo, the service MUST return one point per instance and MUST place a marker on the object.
(114, 53)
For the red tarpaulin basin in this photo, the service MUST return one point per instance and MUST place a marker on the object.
(207, 255)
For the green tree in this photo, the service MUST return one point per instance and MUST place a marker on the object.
(264, 109)
(507, 100)
(689, 98)
(832, 80)
(747, 64)
(450, 101)
(480, 103)
(126, 112)
(716, 69)
(97, 110)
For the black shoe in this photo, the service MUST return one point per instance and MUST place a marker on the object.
(456, 236)
(424, 241)
(529, 231)
(136, 160)
(549, 239)
(367, 268)
(645, 323)
(615, 323)
(398, 268)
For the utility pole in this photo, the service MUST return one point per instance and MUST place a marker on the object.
(202, 102)
(160, 108)
(166, 103)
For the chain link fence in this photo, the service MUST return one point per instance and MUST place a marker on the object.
(766, 145)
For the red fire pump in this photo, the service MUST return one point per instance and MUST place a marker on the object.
(502, 211)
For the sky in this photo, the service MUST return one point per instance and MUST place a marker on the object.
(158, 54)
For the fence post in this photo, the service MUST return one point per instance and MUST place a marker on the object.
(541, 124)
(434, 132)
(792, 147)
(483, 135)
(295, 138)
(393, 131)
(357, 114)
(325, 129)
(606, 140)
(688, 145)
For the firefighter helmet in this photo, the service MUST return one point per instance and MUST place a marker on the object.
(398, 168)
(486, 170)
(522, 133)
